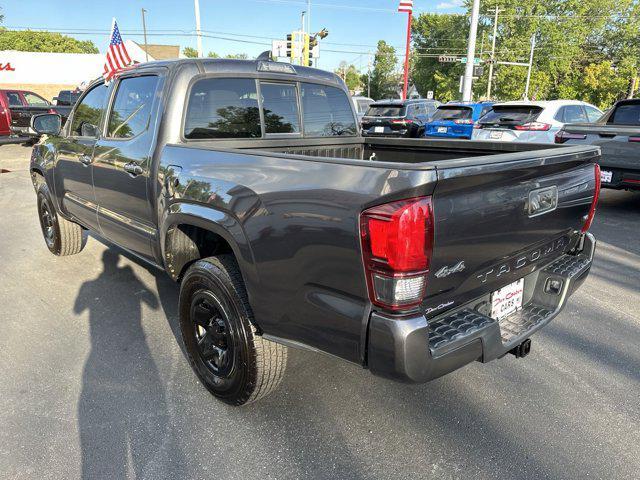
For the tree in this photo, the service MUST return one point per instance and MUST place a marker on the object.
(384, 77)
(190, 52)
(585, 49)
(30, 41)
(237, 56)
(350, 75)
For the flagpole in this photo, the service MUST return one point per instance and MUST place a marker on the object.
(406, 59)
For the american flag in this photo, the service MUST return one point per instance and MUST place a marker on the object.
(406, 6)
(117, 56)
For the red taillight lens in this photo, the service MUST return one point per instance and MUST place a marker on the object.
(594, 203)
(402, 121)
(51, 110)
(397, 241)
(534, 126)
(463, 121)
(563, 136)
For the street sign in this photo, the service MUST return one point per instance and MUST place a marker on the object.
(448, 59)
(279, 48)
(476, 61)
(430, 95)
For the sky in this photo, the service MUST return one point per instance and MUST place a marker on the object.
(239, 26)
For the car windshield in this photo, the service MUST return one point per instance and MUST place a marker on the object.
(452, 113)
(511, 114)
(626, 115)
(385, 111)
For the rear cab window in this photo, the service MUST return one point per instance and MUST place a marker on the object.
(626, 114)
(453, 113)
(236, 108)
(510, 115)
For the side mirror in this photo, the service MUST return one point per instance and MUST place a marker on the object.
(47, 123)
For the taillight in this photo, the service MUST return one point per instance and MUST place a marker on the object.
(463, 121)
(563, 136)
(596, 196)
(397, 242)
(633, 139)
(534, 126)
(402, 121)
(51, 110)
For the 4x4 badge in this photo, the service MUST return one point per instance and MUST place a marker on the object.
(446, 271)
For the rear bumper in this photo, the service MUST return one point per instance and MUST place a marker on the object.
(418, 349)
(622, 178)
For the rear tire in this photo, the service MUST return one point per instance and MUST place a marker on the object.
(62, 236)
(234, 363)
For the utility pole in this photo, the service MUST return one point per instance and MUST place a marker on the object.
(144, 29)
(526, 88)
(198, 32)
(369, 76)
(302, 21)
(493, 52)
(471, 52)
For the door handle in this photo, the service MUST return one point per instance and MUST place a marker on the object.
(86, 160)
(133, 168)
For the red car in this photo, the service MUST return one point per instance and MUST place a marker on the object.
(18, 106)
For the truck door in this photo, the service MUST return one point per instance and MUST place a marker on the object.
(122, 165)
(73, 179)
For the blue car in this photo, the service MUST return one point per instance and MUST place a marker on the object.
(456, 120)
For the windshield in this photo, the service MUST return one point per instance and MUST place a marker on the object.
(386, 111)
(452, 113)
(626, 115)
(511, 115)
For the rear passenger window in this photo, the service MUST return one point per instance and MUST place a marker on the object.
(131, 109)
(86, 118)
(327, 111)
(280, 105)
(223, 108)
(574, 114)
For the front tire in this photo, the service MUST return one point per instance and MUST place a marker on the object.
(62, 236)
(234, 363)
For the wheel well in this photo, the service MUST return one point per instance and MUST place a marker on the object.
(37, 178)
(187, 243)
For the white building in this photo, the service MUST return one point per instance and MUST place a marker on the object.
(48, 73)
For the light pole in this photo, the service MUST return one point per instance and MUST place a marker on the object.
(471, 52)
(533, 46)
(198, 32)
(493, 52)
(144, 29)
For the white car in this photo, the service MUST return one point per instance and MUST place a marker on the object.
(537, 122)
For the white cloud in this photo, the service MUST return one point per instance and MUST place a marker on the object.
(449, 5)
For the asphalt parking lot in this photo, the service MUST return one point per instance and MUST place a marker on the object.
(94, 384)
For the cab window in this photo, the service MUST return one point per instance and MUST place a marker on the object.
(87, 115)
(327, 111)
(131, 109)
(223, 108)
(280, 108)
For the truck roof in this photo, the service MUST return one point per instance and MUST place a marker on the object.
(245, 67)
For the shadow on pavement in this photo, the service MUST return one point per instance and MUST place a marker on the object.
(122, 411)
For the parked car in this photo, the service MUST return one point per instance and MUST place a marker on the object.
(526, 121)
(285, 228)
(361, 105)
(398, 118)
(456, 120)
(617, 133)
(18, 106)
(67, 98)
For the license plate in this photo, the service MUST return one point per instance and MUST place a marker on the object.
(442, 129)
(507, 300)
(378, 129)
(606, 176)
(495, 135)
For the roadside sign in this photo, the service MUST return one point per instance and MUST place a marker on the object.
(430, 95)
(476, 61)
(279, 48)
(448, 59)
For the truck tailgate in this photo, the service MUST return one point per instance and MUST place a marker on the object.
(498, 222)
(619, 144)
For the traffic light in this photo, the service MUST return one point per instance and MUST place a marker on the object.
(305, 49)
(290, 45)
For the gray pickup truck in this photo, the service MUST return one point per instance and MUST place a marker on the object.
(617, 133)
(249, 184)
